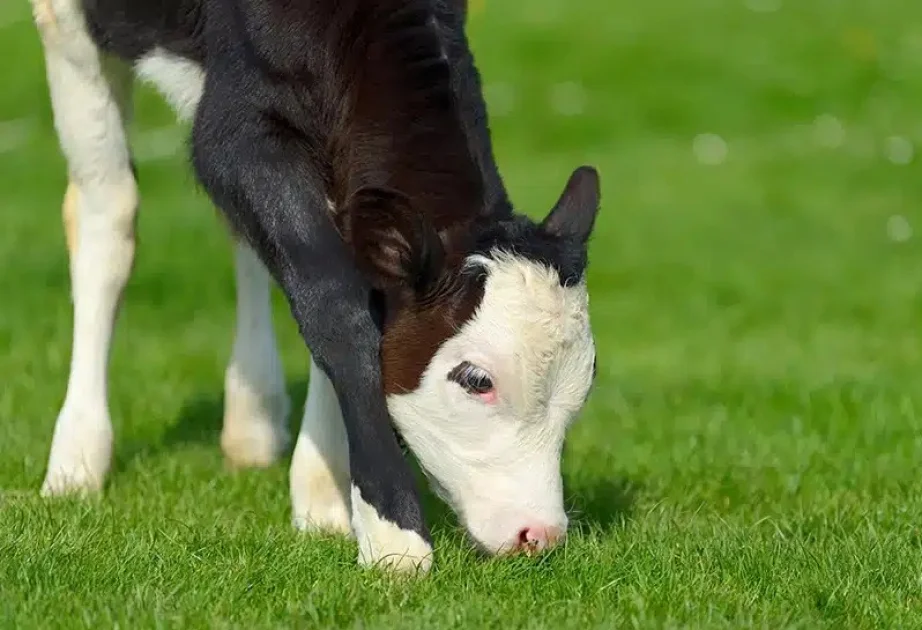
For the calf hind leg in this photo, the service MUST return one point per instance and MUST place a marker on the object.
(89, 98)
(256, 405)
(320, 466)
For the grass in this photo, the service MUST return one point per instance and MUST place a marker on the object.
(750, 455)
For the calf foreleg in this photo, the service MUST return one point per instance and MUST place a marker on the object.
(256, 405)
(257, 171)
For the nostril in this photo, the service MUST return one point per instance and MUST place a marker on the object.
(533, 538)
(525, 537)
(536, 538)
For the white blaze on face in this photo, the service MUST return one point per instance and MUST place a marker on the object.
(498, 462)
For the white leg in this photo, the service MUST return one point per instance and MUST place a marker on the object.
(256, 404)
(320, 466)
(383, 544)
(89, 98)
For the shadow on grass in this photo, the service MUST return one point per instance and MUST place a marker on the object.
(200, 419)
(600, 504)
(593, 503)
(199, 423)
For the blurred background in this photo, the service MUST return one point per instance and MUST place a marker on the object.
(760, 180)
(755, 274)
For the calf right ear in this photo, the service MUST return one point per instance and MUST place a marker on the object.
(395, 246)
(575, 212)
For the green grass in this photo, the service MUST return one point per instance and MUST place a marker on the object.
(750, 454)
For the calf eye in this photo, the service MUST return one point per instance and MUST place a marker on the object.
(472, 378)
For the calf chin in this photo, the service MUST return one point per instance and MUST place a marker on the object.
(498, 528)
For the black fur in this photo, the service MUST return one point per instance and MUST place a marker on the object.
(132, 28)
(521, 236)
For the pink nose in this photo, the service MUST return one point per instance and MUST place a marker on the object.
(535, 538)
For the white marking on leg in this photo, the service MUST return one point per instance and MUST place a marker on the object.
(320, 466)
(69, 216)
(256, 404)
(384, 544)
(89, 98)
(181, 81)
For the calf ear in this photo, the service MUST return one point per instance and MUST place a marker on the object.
(574, 214)
(395, 246)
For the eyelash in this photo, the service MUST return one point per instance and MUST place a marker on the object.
(472, 378)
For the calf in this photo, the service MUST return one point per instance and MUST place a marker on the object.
(346, 144)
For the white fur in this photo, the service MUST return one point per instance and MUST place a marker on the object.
(89, 98)
(179, 80)
(384, 544)
(499, 465)
(256, 405)
(320, 466)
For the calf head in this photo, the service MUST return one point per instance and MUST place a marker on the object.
(487, 353)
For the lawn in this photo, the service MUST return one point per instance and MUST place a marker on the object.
(750, 455)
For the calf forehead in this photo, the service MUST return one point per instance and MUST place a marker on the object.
(539, 327)
(530, 290)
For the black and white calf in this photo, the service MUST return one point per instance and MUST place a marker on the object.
(346, 143)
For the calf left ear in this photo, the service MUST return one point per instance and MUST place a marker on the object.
(395, 246)
(574, 214)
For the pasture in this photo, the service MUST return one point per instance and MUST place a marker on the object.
(750, 454)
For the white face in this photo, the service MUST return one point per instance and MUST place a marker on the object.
(492, 449)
